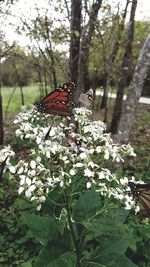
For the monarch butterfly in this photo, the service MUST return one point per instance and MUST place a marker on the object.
(2, 166)
(141, 194)
(86, 99)
(59, 102)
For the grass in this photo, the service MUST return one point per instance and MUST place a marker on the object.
(31, 93)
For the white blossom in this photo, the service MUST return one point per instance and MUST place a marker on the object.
(56, 162)
(12, 169)
(88, 173)
(72, 172)
(88, 185)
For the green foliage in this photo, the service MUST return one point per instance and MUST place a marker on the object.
(17, 246)
(43, 228)
(86, 206)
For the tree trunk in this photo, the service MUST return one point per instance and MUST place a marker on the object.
(86, 80)
(19, 83)
(135, 90)
(75, 27)
(85, 40)
(124, 71)
(22, 95)
(111, 58)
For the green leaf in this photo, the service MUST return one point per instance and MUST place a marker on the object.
(86, 206)
(112, 237)
(54, 254)
(108, 223)
(43, 228)
(54, 203)
(68, 259)
(94, 264)
(28, 236)
(113, 244)
(21, 204)
(27, 264)
(124, 261)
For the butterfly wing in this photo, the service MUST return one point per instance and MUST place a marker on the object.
(144, 195)
(59, 108)
(59, 102)
(141, 192)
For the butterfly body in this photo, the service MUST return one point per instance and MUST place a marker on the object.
(86, 99)
(59, 102)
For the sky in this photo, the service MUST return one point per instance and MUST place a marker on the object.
(25, 8)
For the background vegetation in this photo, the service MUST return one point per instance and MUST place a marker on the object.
(29, 73)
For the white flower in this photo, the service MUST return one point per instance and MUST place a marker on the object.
(33, 164)
(12, 169)
(64, 158)
(88, 173)
(20, 190)
(38, 140)
(129, 202)
(98, 149)
(48, 155)
(83, 155)
(101, 175)
(28, 181)
(39, 207)
(32, 173)
(61, 184)
(79, 165)
(28, 193)
(42, 199)
(52, 131)
(38, 159)
(23, 179)
(72, 172)
(124, 181)
(21, 169)
(92, 164)
(88, 185)
(137, 209)
(54, 149)
(106, 155)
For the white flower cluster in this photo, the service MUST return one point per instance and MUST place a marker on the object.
(65, 156)
(31, 126)
(5, 156)
(81, 115)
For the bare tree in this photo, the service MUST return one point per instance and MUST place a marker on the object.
(124, 70)
(4, 50)
(19, 81)
(135, 90)
(109, 59)
(86, 36)
(75, 28)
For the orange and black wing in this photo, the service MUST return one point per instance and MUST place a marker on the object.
(59, 102)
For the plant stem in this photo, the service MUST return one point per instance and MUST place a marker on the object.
(72, 230)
